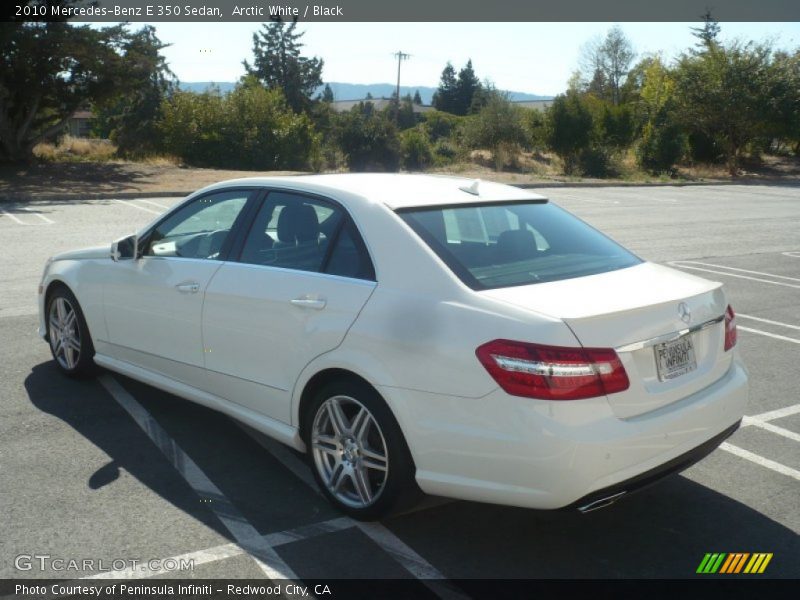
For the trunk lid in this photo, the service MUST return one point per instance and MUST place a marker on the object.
(638, 311)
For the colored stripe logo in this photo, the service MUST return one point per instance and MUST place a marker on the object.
(734, 562)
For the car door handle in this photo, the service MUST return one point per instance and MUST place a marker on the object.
(190, 287)
(309, 302)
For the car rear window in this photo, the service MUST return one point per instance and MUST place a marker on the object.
(515, 243)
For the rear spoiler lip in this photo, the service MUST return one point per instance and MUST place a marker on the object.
(469, 204)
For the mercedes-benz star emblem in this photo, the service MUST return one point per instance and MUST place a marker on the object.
(684, 313)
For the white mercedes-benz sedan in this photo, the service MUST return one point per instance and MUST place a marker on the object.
(408, 332)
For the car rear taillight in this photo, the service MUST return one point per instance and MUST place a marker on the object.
(730, 328)
(553, 372)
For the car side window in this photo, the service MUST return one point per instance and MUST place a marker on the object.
(293, 231)
(199, 229)
(349, 257)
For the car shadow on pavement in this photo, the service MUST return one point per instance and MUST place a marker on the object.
(662, 531)
(87, 408)
(269, 496)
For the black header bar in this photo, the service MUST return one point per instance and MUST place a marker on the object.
(402, 11)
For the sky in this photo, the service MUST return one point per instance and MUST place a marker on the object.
(536, 58)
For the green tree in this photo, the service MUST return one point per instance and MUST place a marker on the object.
(708, 33)
(445, 98)
(249, 128)
(467, 86)
(783, 122)
(569, 129)
(406, 117)
(417, 98)
(327, 94)
(52, 69)
(723, 94)
(662, 139)
(278, 63)
(615, 127)
(605, 64)
(130, 117)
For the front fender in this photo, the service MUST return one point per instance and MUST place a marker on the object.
(84, 280)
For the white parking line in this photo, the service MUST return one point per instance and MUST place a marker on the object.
(383, 537)
(40, 215)
(132, 205)
(240, 528)
(152, 203)
(762, 273)
(681, 265)
(779, 413)
(792, 254)
(768, 334)
(760, 460)
(12, 217)
(224, 551)
(795, 437)
(740, 315)
(582, 199)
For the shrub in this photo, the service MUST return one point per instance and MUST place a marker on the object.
(250, 128)
(415, 149)
(498, 127)
(569, 129)
(595, 161)
(369, 140)
(441, 125)
(535, 123)
(704, 148)
(76, 149)
(445, 153)
(662, 145)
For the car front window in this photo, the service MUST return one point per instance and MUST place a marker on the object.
(199, 229)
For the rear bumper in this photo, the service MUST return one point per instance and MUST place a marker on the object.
(599, 498)
(542, 454)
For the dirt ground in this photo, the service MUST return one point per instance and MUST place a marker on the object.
(97, 179)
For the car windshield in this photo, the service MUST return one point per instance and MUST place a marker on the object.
(515, 243)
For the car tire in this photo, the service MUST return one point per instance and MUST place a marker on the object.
(70, 341)
(357, 452)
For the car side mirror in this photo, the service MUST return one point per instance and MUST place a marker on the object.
(126, 248)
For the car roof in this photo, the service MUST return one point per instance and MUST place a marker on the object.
(397, 191)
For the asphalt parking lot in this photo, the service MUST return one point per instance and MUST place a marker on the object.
(110, 469)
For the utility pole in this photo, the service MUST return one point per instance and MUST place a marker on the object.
(401, 56)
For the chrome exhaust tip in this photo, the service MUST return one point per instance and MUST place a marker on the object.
(601, 503)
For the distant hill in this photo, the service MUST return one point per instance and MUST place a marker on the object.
(356, 91)
(202, 86)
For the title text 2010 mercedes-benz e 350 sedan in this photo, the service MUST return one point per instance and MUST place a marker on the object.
(410, 332)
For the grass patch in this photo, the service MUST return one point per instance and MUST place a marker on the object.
(76, 149)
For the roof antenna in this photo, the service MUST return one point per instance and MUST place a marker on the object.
(472, 188)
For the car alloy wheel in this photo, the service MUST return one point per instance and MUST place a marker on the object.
(350, 451)
(65, 334)
(70, 342)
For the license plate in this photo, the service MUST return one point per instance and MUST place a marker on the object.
(675, 358)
